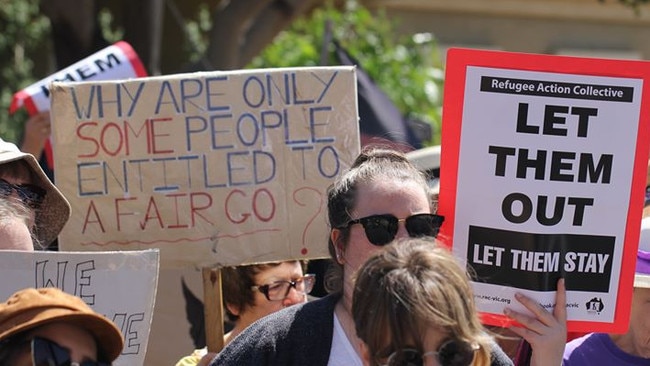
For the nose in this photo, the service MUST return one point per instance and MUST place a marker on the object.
(401, 230)
(294, 297)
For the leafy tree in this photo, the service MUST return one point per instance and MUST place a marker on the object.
(225, 35)
(23, 34)
(408, 69)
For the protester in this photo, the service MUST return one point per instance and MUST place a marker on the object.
(413, 302)
(633, 347)
(15, 226)
(254, 291)
(366, 205)
(50, 327)
(22, 178)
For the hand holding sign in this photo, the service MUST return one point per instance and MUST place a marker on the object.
(566, 157)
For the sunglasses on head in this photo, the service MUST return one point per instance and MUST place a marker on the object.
(382, 229)
(48, 353)
(32, 195)
(450, 353)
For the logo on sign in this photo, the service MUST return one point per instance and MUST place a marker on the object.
(595, 305)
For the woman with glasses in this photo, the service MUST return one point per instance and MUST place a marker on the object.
(255, 291)
(413, 305)
(382, 197)
(48, 327)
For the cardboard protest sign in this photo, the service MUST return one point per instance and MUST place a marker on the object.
(213, 168)
(119, 285)
(543, 172)
(118, 61)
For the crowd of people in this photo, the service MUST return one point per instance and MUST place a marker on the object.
(397, 296)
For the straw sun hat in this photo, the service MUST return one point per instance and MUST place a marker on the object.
(54, 212)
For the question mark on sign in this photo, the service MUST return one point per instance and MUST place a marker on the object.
(297, 200)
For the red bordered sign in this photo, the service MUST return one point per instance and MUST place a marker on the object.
(118, 61)
(543, 172)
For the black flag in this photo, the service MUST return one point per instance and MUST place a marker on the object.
(380, 120)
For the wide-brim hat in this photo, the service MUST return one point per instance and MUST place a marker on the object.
(54, 211)
(30, 308)
(642, 272)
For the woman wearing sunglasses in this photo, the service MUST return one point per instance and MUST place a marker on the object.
(48, 327)
(413, 305)
(382, 197)
(254, 291)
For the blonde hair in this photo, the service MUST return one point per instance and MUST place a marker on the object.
(408, 287)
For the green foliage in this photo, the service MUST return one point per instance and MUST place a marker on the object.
(23, 32)
(197, 32)
(110, 31)
(406, 68)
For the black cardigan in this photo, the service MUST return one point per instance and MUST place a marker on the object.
(299, 335)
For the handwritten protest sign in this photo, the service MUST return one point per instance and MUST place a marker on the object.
(119, 285)
(543, 171)
(220, 168)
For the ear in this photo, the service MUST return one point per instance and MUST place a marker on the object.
(234, 310)
(365, 354)
(335, 237)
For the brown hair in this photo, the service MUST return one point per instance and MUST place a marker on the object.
(409, 286)
(372, 164)
(237, 282)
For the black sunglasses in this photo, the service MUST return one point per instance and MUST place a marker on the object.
(381, 229)
(48, 353)
(32, 195)
(450, 353)
(279, 290)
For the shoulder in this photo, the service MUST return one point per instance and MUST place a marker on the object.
(583, 349)
(284, 335)
(498, 357)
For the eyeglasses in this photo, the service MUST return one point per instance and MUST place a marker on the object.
(30, 194)
(450, 353)
(279, 290)
(48, 353)
(381, 229)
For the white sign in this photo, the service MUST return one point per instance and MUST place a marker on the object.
(118, 61)
(550, 168)
(120, 285)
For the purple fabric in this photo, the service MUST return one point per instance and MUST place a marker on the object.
(643, 262)
(598, 349)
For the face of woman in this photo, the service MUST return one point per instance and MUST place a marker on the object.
(400, 199)
(286, 271)
(77, 341)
